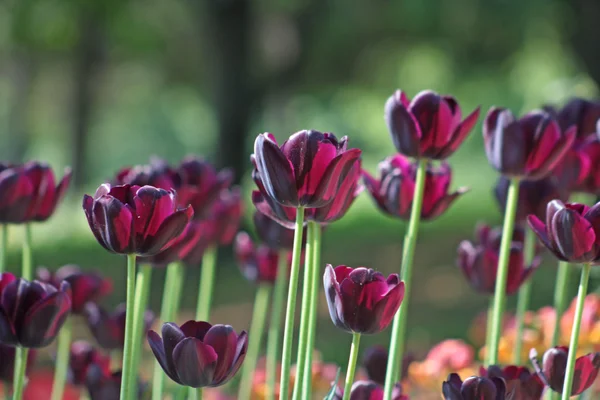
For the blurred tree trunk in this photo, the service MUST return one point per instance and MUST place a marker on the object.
(584, 35)
(22, 75)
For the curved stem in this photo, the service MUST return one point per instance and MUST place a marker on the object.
(275, 324)
(142, 292)
(27, 254)
(560, 297)
(309, 272)
(396, 350)
(572, 357)
(4, 248)
(524, 295)
(502, 274)
(126, 384)
(20, 370)
(207, 277)
(255, 336)
(288, 331)
(62, 360)
(351, 365)
(314, 303)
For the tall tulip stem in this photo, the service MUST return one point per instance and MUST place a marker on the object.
(288, 331)
(126, 384)
(27, 254)
(4, 248)
(314, 302)
(199, 393)
(502, 274)
(351, 365)
(142, 292)
(524, 295)
(62, 360)
(572, 357)
(207, 277)
(488, 329)
(20, 370)
(255, 336)
(560, 297)
(397, 340)
(275, 323)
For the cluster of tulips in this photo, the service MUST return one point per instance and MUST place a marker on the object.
(163, 216)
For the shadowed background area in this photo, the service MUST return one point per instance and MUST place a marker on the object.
(99, 85)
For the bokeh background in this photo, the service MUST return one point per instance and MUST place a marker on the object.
(98, 85)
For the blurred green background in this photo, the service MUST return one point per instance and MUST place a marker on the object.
(98, 85)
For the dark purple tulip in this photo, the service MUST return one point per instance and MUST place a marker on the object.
(29, 192)
(393, 192)
(571, 232)
(225, 215)
(360, 299)
(109, 328)
(479, 263)
(272, 233)
(82, 356)
(86, 286)
(308, 169)
(375, 360)
(554, 366)
(199, 354)
(131, 219)
(429, 126)
(474, 388)
(520, 383)
(582, 113)
(104, 385)
(31, 313)
(7, 366)
(257, 263)
(368, 390)
(157, 173)
(590, 149)
(528, 148)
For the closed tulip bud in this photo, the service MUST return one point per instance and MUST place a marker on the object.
(474, 388)
(82, 356)
(520, 383)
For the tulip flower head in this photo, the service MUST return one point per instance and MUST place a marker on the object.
(571, 232)
(135, 220)
(474, 388)
(581, 113)
(306, 171)
(273, 234)
(199, 354)
(225, 216)
(109, 328)
(554, 365)
(393, 192)
(105, 385)
(257, 263)
(429, 126)
(361, 300)
(521, 384)
(82, 356)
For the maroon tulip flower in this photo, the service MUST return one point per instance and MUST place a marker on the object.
(571, 232)
(86, 286)
(225, 216)
(474, 388)
(31, 313)
(104, 385)
(157, 173)
(109, 328)
(582, 113)
(429, 126)
(306, 171)
(131, 219)
(368, 390)
(83, 355)
(29, 192)
(479, 263)
(393, 192)
(361, 300)
(199, 354)
(528, 148)
(375, 360)
(590, 149)
(520, 383)
(7, 366)
(272, 233)
(257, 263)
(554, 367)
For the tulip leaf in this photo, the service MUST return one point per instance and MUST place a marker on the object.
(331, 395)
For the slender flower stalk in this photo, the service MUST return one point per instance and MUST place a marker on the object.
(500, 292)
(127, 386)
(351, 365)
(524, 295)
(4, 248)
(179, 272)
(314, 302)
(27, 254)
(399, 327)
(20, 369)
(259, 314)
(572, 357)
(142, 292)
(288, 331)
(205, 290)
(275, 324)
(62, 360)
(560, 297)
(199, 393)
(488, 329)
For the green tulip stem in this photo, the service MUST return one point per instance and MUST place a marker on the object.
(20, 370)
(255, 337)
(397, 340)
(275, 323)
(314, 302)
(309, 272)
(179, 272)
(62, 360)
(167, 312)
(502, 274)
(126, 384)
(207, 277)
(27, 254)
(351, 365)
(199, 393)
(4, 248)
(524, 294)
(488, 328)
(288, 331)
(142, 292)
(572, 357)
(560, 297)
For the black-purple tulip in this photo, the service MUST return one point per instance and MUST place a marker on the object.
(521, 384)
(82, 356)
(105, 385)
(109, 328)
(474, 388)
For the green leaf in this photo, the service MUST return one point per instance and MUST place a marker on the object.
(331, 394)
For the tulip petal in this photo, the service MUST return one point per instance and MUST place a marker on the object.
(196, 329)
(442, 205)
(586, 372)
(223, 339)
(114, 223)
(334, 297)
(88, 204)
(195, 363)
(332, 178)
(541, 231)
(285, 216)
(17, 192)
(8, 334)
(402, 125)
(157, 347)
(152, 207)
(42, 321)
(275, 171)
(172, 335)
(240, 355)
(168, 231)
(575, 237)
(387, 307)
